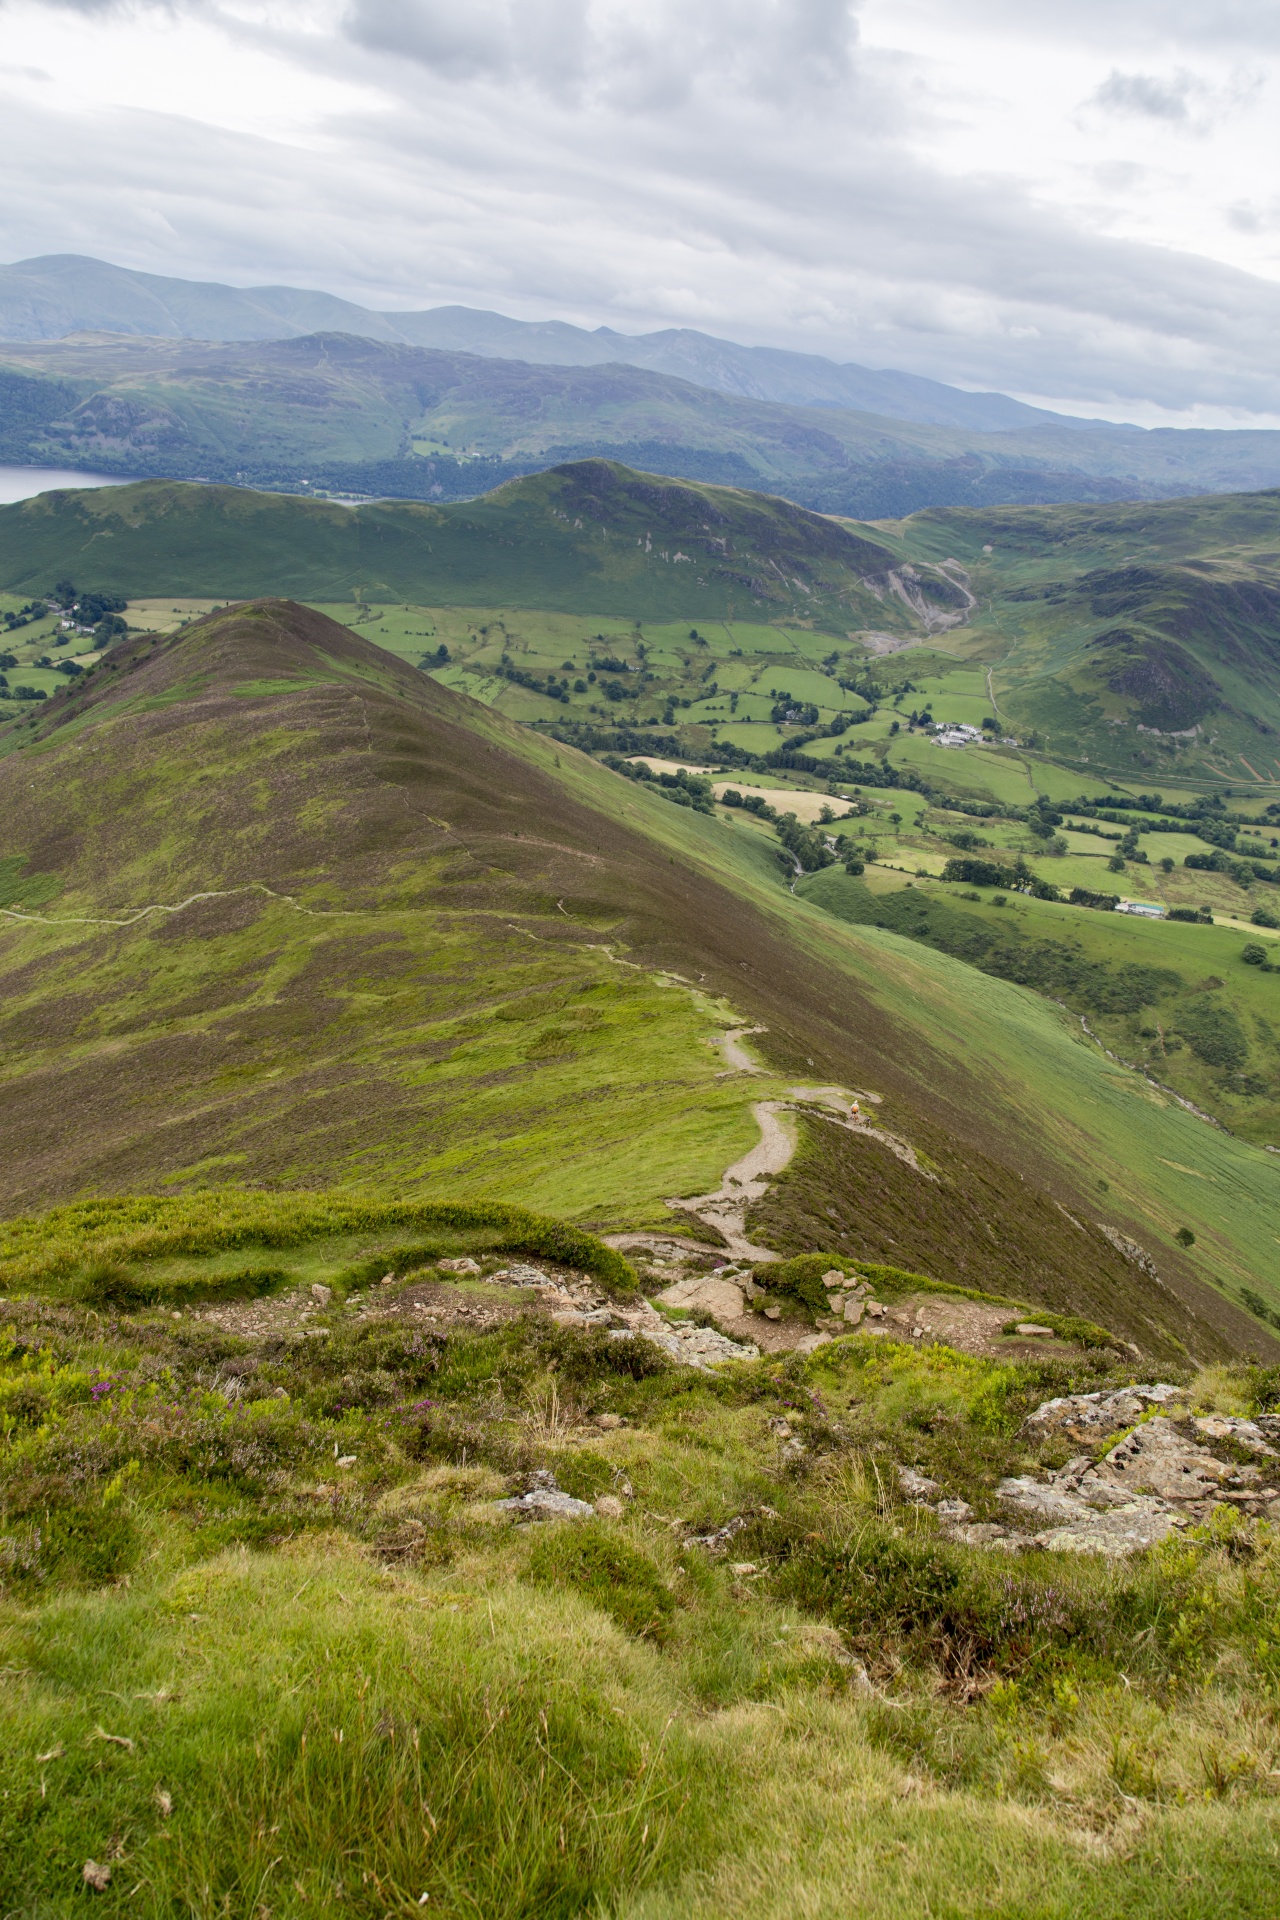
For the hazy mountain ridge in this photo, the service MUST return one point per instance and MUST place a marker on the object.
(48, 298)
(344, 414)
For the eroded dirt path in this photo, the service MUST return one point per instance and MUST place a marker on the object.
(749, 1178)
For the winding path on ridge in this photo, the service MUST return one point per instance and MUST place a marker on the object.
(749, 1178)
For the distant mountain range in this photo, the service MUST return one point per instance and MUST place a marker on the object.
(280, 388)
(62, 293)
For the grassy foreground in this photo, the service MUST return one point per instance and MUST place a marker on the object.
(273, 1650)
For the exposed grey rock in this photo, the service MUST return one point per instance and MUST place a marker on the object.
(812, 1341)
(522, 1275)
(952, 1513)
(1092, 1416)
(1156, 1458)
(1127, 1529)
(461, 1265)
(321, 1295)
(706, 1294)
(546, 1501)
(916, 1485)
(1042, 1500)
(984, 1533)
(1245, 1433)
(1077, 1525)
(1030, 1327)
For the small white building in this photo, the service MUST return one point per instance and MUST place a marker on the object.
(1145, 909)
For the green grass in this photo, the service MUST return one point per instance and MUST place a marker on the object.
(1087, 958)
(243, 1688)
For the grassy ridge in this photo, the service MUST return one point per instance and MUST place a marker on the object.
(432, 955)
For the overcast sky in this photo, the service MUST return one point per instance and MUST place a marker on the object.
(1077, 201)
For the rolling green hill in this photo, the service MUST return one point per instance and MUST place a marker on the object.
(591, 538)
(1139, 641)
(299, 913)
(1120, 642)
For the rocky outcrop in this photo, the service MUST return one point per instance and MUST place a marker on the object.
(1158, 1477)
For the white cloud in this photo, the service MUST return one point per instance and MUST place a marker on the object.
(904, 182)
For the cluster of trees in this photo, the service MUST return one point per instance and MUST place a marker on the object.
(685, 788)
(34, 610)
(806, 845)
(553, 688)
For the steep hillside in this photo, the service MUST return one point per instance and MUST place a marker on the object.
(298, 915)
(1136, 640)
(336, 412)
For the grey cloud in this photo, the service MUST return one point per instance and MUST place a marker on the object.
(1143, 94)
(493, 38)
(1251, 24)
(636, 59)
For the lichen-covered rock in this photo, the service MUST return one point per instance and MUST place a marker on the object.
(1090, 1417)
(1245, 1433)
(546, 1501)
(1156, 1458)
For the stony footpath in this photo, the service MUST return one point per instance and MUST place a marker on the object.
(1163, 1470)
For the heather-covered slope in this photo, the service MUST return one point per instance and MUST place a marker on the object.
(282, 910)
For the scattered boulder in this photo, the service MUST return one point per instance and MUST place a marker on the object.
(321, 1295)
(706, 1293)
(461, 1265)
(717, 1541)
(546, 1501)
(96, 1876)
(812, 1341)
(688, 1345)
(917, 1486)
(1030, 1327)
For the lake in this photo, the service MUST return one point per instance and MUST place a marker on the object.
(22, 483)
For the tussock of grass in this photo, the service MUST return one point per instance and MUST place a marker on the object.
(92, 1240)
